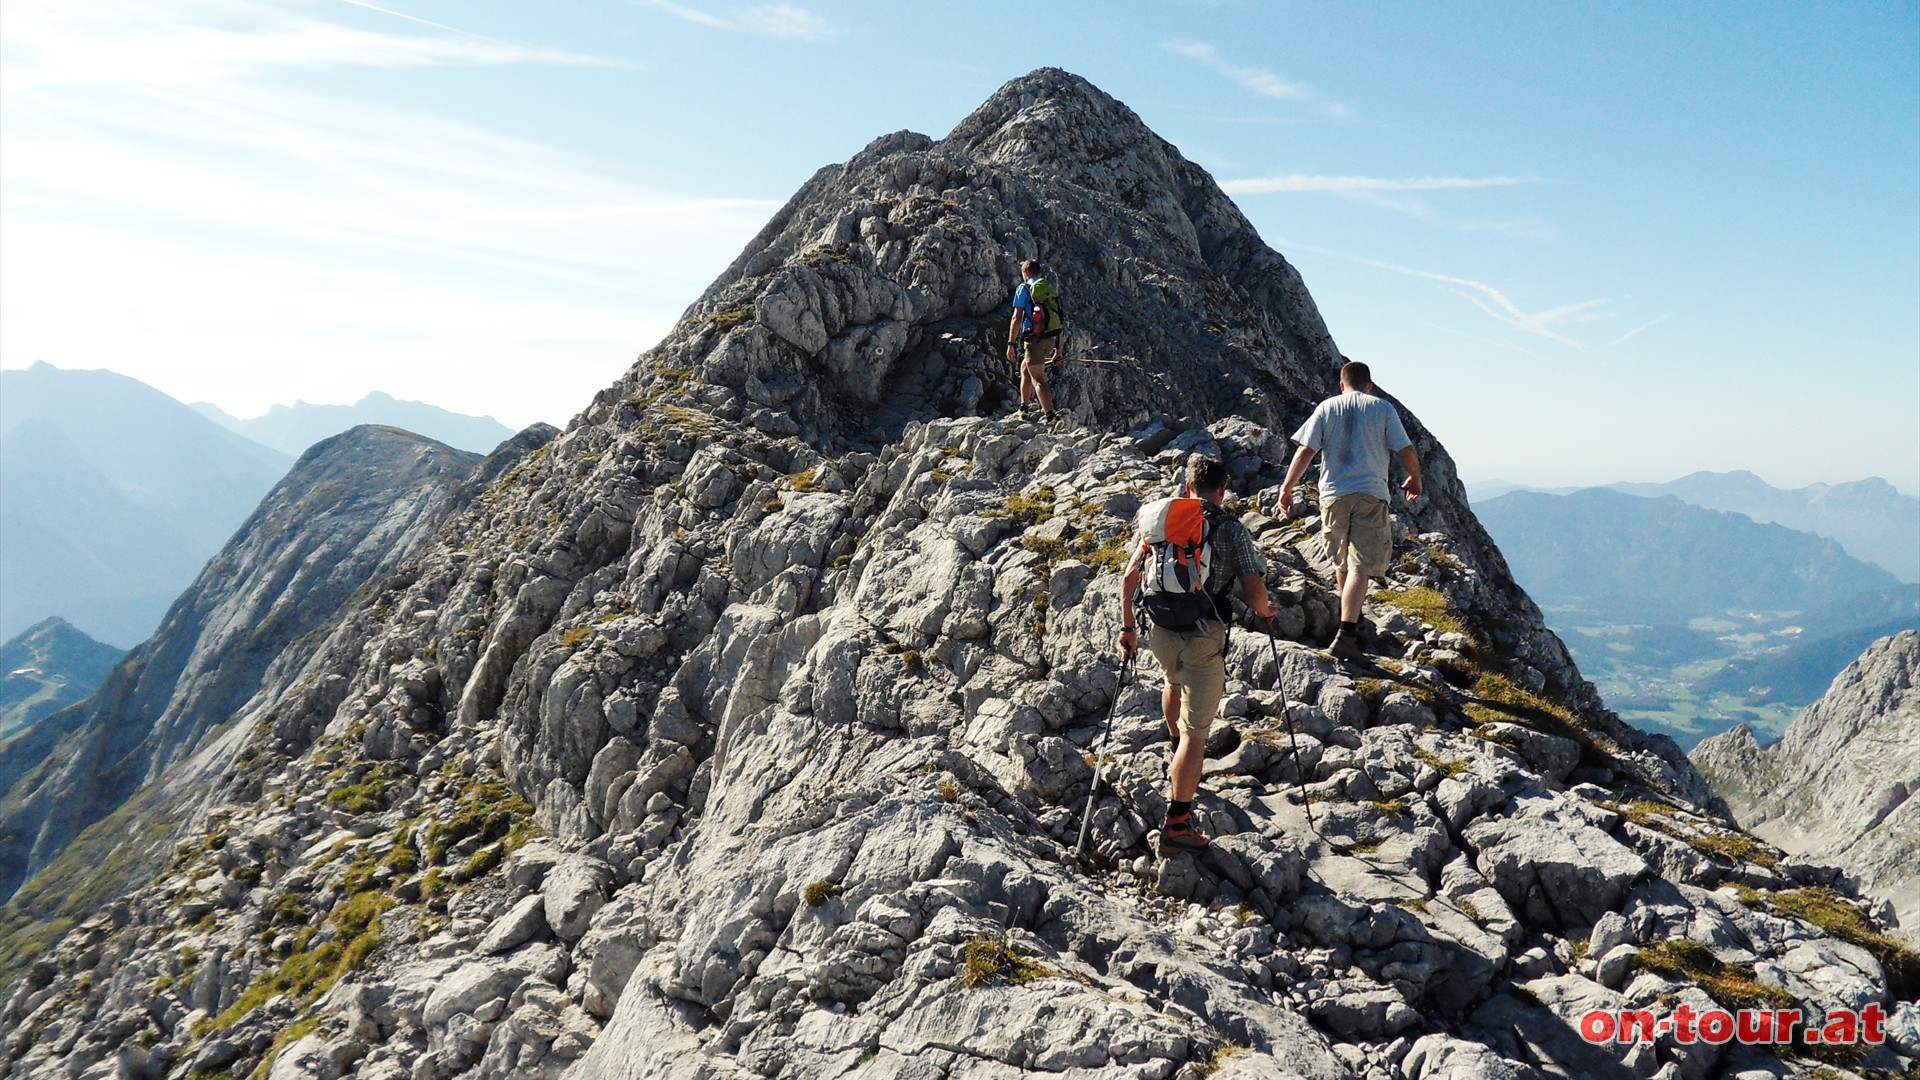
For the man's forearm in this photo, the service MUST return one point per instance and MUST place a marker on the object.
(1298, 467)
(1254, 588)
(1411, 461)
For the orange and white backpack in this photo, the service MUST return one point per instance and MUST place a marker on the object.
(1176, 534)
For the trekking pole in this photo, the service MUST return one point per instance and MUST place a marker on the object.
(1086, 818)
(1299, 769)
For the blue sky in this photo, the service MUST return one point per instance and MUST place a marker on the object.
(1584, 242)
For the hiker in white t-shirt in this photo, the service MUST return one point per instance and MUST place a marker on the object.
(1355, 432)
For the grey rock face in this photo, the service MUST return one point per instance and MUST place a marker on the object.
(1839, 787)
(807, 741)
(349, 512)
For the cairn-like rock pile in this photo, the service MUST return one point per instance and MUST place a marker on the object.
(743, 728)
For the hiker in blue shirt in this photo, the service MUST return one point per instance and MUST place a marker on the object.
(1038, 326)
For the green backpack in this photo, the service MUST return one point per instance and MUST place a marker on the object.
(1045, 318)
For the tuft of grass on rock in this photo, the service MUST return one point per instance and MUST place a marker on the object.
(819, 892)
(1732, 985)
(1839, 917)
(992, 962)
(1024, 510)
(1427, 605)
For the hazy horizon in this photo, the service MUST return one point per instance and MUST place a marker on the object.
(1642, 247)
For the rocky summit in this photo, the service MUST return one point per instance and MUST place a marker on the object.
(743, 728)
(1840, 784)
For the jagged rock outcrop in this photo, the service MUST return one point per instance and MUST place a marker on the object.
(347, 512)
(741, 729)
(1840, 786)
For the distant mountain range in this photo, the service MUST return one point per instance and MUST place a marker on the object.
(1871, 518)
(1692, 620)
(345, 516)
(49, 667)
(292, 428)
(112, 496)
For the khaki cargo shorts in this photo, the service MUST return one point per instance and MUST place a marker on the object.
(1196, 662)
(1358, 534)
(1040, 350)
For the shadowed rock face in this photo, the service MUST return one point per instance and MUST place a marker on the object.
(800, 665)
(347, 513)
(1839, 786)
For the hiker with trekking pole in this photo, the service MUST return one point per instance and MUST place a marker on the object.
(1188, 552)
(1355, 431)
(1039, 328)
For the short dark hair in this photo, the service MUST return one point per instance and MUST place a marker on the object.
(1030, 267)
(1355, 374)
(1205, 474)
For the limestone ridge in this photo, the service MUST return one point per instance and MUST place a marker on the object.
(854, 289)
(878, 296)
(800, 681)
(1840, 785)
(345, 514)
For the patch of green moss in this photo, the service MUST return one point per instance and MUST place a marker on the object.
(312, 970)
(368, 794)
(992, 962)
(1445, 767)
(1732, 985)
(1500, 699)
(1427, 605)
(574, 636)
(727, 320)
(1024, 510)
(1833, 913)
(479, 863)
(488, 810)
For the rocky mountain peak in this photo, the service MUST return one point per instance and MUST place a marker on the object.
(878, 295)
(345, 514)
(1842, 786)
(741, 728)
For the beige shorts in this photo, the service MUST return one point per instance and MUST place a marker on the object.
(1196, 662)
(1358, 534)
(1040, 350)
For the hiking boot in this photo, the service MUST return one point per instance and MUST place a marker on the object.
(1346, 646)
(1182, 836)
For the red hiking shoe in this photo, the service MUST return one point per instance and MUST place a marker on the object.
(1180, 835)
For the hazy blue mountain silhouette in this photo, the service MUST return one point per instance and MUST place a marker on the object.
(112, 496)
(1870, 518)
(1664, 560)
(49, 667)
(293, 428)
(1692, 620)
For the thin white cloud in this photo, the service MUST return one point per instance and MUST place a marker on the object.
(209, 217)
(1347, 185)
(1638, 330)
(1483, 340)
(52, 51)
(1256, 80)
(766, 20)
(1393, 194)
(1494, 303)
